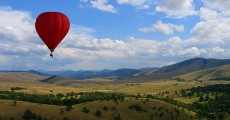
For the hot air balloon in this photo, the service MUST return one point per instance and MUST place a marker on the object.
(52, 27)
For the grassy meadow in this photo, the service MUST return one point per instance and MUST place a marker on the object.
(151, 110)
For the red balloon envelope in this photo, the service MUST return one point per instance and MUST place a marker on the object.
(52, 27)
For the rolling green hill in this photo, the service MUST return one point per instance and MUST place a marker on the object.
(181, 68)
(218, 73)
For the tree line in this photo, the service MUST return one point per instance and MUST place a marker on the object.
(61, 99)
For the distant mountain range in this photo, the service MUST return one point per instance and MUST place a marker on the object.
(141, 75)
(106, 73)
(183, 67)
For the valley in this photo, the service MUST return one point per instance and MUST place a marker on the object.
(167, 98)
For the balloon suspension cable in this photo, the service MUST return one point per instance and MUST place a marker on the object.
(51, 54)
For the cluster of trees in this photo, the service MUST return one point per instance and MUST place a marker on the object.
(212, 108)
(217, 108)
(61, 99)
(18, 88)
(98, 112)
(178, 79)
(136, 107)
(178, 103)
(221, 78)
(29, 115)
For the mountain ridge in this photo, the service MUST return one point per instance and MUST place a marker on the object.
(143, 74)
(180, 68)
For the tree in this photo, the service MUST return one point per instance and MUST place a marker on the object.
(206, 98)
(159, 109)
(39, 117)
(85, 110)
(156, 113)
(60, 95)
(161, 114)
(14, 103)
(98, 113)
(105, 108)
(223, 115)
(176, 92)
(201, 99)
(177, 112)
(65, 118)
(136, 107)
(171, 117)
(68, 107)
(28, 115)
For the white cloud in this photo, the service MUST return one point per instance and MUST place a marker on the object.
(217, 49)
(193, 51)
(217, 30)
(208, 14)
(139, 4)
(17, 33)
(103, 6)
(176, 9)
(81, 50)
(222, 6)
(165, 28)
(13, 27)
(132, 2)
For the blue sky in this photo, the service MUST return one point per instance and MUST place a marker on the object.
(112, 34)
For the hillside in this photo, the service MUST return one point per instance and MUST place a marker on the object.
(181, 68)
(218, 73)
(194, 64)
(56, 79)
(20, 77)
(151, 109)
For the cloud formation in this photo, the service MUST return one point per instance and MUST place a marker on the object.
(176, 9)
(164, 28)
(222, 6)
(21, 48)
(213, 30)
(208, 14)
(103, 6)
(139, 4)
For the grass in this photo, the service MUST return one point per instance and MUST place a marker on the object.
(38, 88)
(52, 111)
(89, 86)
(131, 88)
(187, 100)
(31, 82)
